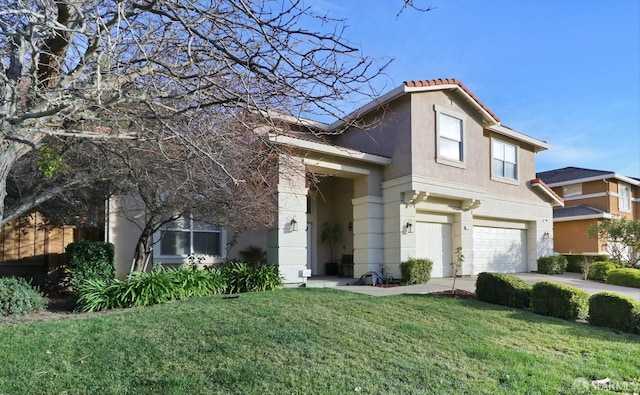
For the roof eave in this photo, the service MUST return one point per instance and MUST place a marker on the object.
(602, 177)
(539, 145)
(556, 201)
(584, 217)
(329, 149)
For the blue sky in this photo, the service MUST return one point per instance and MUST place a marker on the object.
(566, 72)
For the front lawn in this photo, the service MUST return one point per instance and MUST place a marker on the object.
(315, 341)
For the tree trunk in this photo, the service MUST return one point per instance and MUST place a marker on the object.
(11, 151)
(144, 246)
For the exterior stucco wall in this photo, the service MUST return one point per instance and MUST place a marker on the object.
(245, 239)
(494, 209)
(389, 136)
(572, 237)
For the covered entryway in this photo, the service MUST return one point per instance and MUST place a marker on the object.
(433, 241)
(502, 250)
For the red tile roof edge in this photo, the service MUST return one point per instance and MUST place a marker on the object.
(451, 81)
(547, 188)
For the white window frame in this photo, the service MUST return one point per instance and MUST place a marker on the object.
(503, 178)
(191, 227)
(624, 198)
(461, 161)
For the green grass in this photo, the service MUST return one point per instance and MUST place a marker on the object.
(314, 341)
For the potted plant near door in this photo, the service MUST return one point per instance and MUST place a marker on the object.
(330, 234)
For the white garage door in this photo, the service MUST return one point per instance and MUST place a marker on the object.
(434, 242)
(499, 250)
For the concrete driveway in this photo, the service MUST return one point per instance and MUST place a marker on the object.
(468, 283)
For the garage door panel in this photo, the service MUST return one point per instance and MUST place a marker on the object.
(434, 242)
(500, 250)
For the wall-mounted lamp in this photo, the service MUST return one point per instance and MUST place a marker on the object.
(545, 235)
(294, 225)
(409, 227)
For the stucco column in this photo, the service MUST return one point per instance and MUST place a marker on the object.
(288, 243)
(463, 237)
(368, 247)
(539, 242)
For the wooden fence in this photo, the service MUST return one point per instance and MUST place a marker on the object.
(30, 248)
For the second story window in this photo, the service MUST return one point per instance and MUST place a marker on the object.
(624, 198)
(505, 160)
(569, 191)
(450, 137)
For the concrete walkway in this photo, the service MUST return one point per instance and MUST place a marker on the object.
(468, 283)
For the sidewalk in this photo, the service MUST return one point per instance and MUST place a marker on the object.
(468, 283)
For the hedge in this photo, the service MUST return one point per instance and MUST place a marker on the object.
(553, 264)
(574, 261)
(559, 300)
(416, 271)
(599, 270)
(503, 289)
(613, 310)
(627, 277)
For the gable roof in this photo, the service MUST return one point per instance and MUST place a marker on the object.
(574, 175)
(490, 119)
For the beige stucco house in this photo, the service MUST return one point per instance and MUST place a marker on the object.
(424, 169)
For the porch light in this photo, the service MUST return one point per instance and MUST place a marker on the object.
(294, 225)
(409, 227)
(545, 236)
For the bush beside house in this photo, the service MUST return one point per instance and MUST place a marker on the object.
(553, 264)
(503, 289)
(575, 261)
(416, 271)
(598, 271)
(90, 260)
(559, 300)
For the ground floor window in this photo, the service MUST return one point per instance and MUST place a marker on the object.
(185, 237)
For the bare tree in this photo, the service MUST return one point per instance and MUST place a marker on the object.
(195, 177)
(104, 68)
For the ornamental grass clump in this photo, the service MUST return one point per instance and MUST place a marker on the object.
(144, 289)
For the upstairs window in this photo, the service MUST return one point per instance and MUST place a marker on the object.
(624, 198)
(572, 190)
(505, 160)
(450, 137)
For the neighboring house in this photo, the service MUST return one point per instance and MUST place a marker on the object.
(432, 170)
(590, 196)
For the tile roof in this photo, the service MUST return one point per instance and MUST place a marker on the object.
(570, 173)
(450, 81)
(538, 182)
(576, 211)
